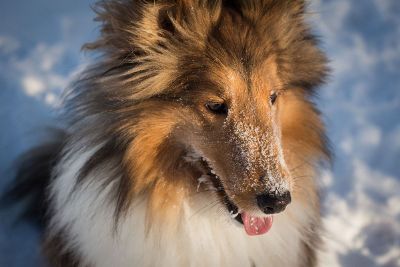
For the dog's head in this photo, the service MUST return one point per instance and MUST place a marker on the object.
(216, 90)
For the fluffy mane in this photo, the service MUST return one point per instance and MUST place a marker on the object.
(142, 136)
(156, 50)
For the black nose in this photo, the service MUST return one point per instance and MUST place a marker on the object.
(271, 203)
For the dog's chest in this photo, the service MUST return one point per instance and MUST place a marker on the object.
(204, 234)
(205, 238)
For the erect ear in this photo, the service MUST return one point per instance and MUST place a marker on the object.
(146, 24)
(189, 20)
(142, 41)
(282, 24)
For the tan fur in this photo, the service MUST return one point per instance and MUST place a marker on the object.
(163, 61)
(136, 36)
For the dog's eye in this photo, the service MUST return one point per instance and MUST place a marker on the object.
(217, 108)
(273, 97)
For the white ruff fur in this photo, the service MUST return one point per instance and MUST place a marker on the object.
(206, 236)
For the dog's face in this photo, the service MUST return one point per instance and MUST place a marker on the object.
(236, 133)
(240, 130)
(221, 93)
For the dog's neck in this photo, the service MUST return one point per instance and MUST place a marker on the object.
(203, 235)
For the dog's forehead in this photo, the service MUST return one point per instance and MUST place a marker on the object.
(237, 82)
(242, 61)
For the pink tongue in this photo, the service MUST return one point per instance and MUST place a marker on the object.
(256, 225)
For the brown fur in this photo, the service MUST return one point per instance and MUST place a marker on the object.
(193, 51)
(144, 102)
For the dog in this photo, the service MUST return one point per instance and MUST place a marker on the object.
(192, 141)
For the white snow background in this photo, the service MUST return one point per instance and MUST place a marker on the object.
(40, 53)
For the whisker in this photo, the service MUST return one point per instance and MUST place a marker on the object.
(208, 206)
(303, 163)
(302, 176)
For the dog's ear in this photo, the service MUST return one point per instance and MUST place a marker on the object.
(146, 24)
(283, 22)
(189, 20)
(143, 41)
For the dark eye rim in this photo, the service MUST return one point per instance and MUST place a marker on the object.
(219, 108)
(272, 98)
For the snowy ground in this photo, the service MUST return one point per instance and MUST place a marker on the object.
(39, 54)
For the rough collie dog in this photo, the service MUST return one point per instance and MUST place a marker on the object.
(193, 141)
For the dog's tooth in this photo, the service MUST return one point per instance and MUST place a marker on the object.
(212, 188)
(202, 180)
(233, 215)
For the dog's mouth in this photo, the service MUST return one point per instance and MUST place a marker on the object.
(253, 225)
